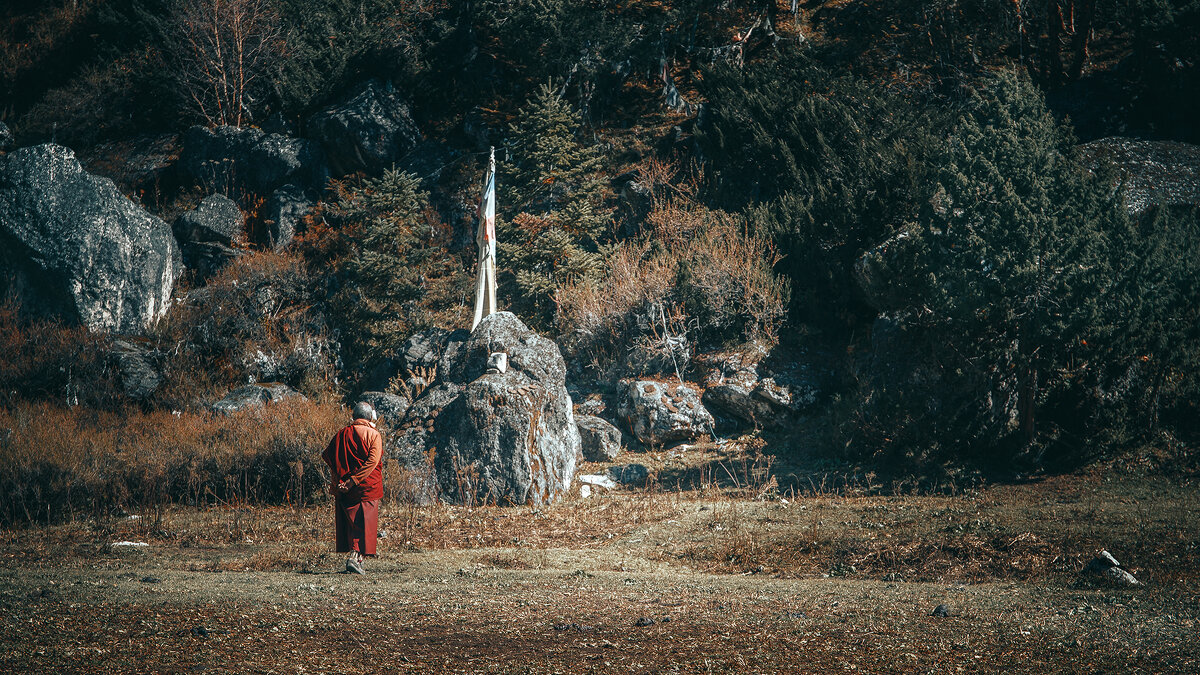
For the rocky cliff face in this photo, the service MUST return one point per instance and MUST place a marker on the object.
(78, 248)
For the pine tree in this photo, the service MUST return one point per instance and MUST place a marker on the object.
(552, 189)
(1163, 334)
(393, 264)
(1014, 255)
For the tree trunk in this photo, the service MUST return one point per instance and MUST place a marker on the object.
(1085, 14)
(1051, 58)
(1027, 405)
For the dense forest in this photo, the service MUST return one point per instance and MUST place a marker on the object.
(897, 204)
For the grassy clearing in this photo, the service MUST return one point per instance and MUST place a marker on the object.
(815, 583)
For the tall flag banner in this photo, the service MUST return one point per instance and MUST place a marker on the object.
(485, 238)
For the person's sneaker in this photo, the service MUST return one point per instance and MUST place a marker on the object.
(354, 567)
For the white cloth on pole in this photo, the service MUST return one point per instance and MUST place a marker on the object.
(485, 238)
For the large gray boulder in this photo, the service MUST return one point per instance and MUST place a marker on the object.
(369, 132)
(662, 413)
(226, 158)
(502, 438)
(1151, 172)
(78, 248)
(601, 440)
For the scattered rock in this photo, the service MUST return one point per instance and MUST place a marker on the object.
(1152, 172)
(137, 366)
(629, 474)
(644, 621)
(1107, 568)
(1120, 577)
(151, 580)
(282, 214)
(391, 407)
(226, 158)
(217, 218)
(656, 416)
(598, 481)
(504, 438)
(253, 396)
(369, 132)
(940, 610)
(75, 247)
(601, 440)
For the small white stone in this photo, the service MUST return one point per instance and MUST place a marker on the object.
(498, 361)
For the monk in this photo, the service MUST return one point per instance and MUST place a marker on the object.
(355, 462)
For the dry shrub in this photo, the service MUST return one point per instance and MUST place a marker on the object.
(700, 279)
(256, 320)
(46, 359)
(58, 462)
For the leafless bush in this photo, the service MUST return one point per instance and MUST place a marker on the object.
(700, 280)
(221, 50)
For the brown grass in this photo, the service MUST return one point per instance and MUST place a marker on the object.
(58, 463)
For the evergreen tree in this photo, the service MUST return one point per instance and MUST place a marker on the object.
(1163, 335)
(393, 265)
(552, 189)
(1013, 256)
(828, 165)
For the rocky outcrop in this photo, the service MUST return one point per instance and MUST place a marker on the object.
(418, 360)
(1152, 172)
(217, 218)
(254, 396)
(601, 440)
(503, 438)
(207, 234)
(138, 368)
(369, 132)
(283, 212)
(226, 158)
(78, 248)
(660, 413)
(1105, 567)
(742, 386)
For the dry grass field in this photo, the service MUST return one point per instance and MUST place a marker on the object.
(712, 568)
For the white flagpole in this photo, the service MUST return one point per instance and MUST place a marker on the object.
(485, 239)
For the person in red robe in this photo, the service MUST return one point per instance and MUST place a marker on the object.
(355, 459)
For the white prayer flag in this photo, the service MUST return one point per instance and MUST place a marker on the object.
(485, 238)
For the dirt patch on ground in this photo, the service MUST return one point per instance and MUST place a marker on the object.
(709, 580)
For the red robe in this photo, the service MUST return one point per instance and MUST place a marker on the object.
(355, 456)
